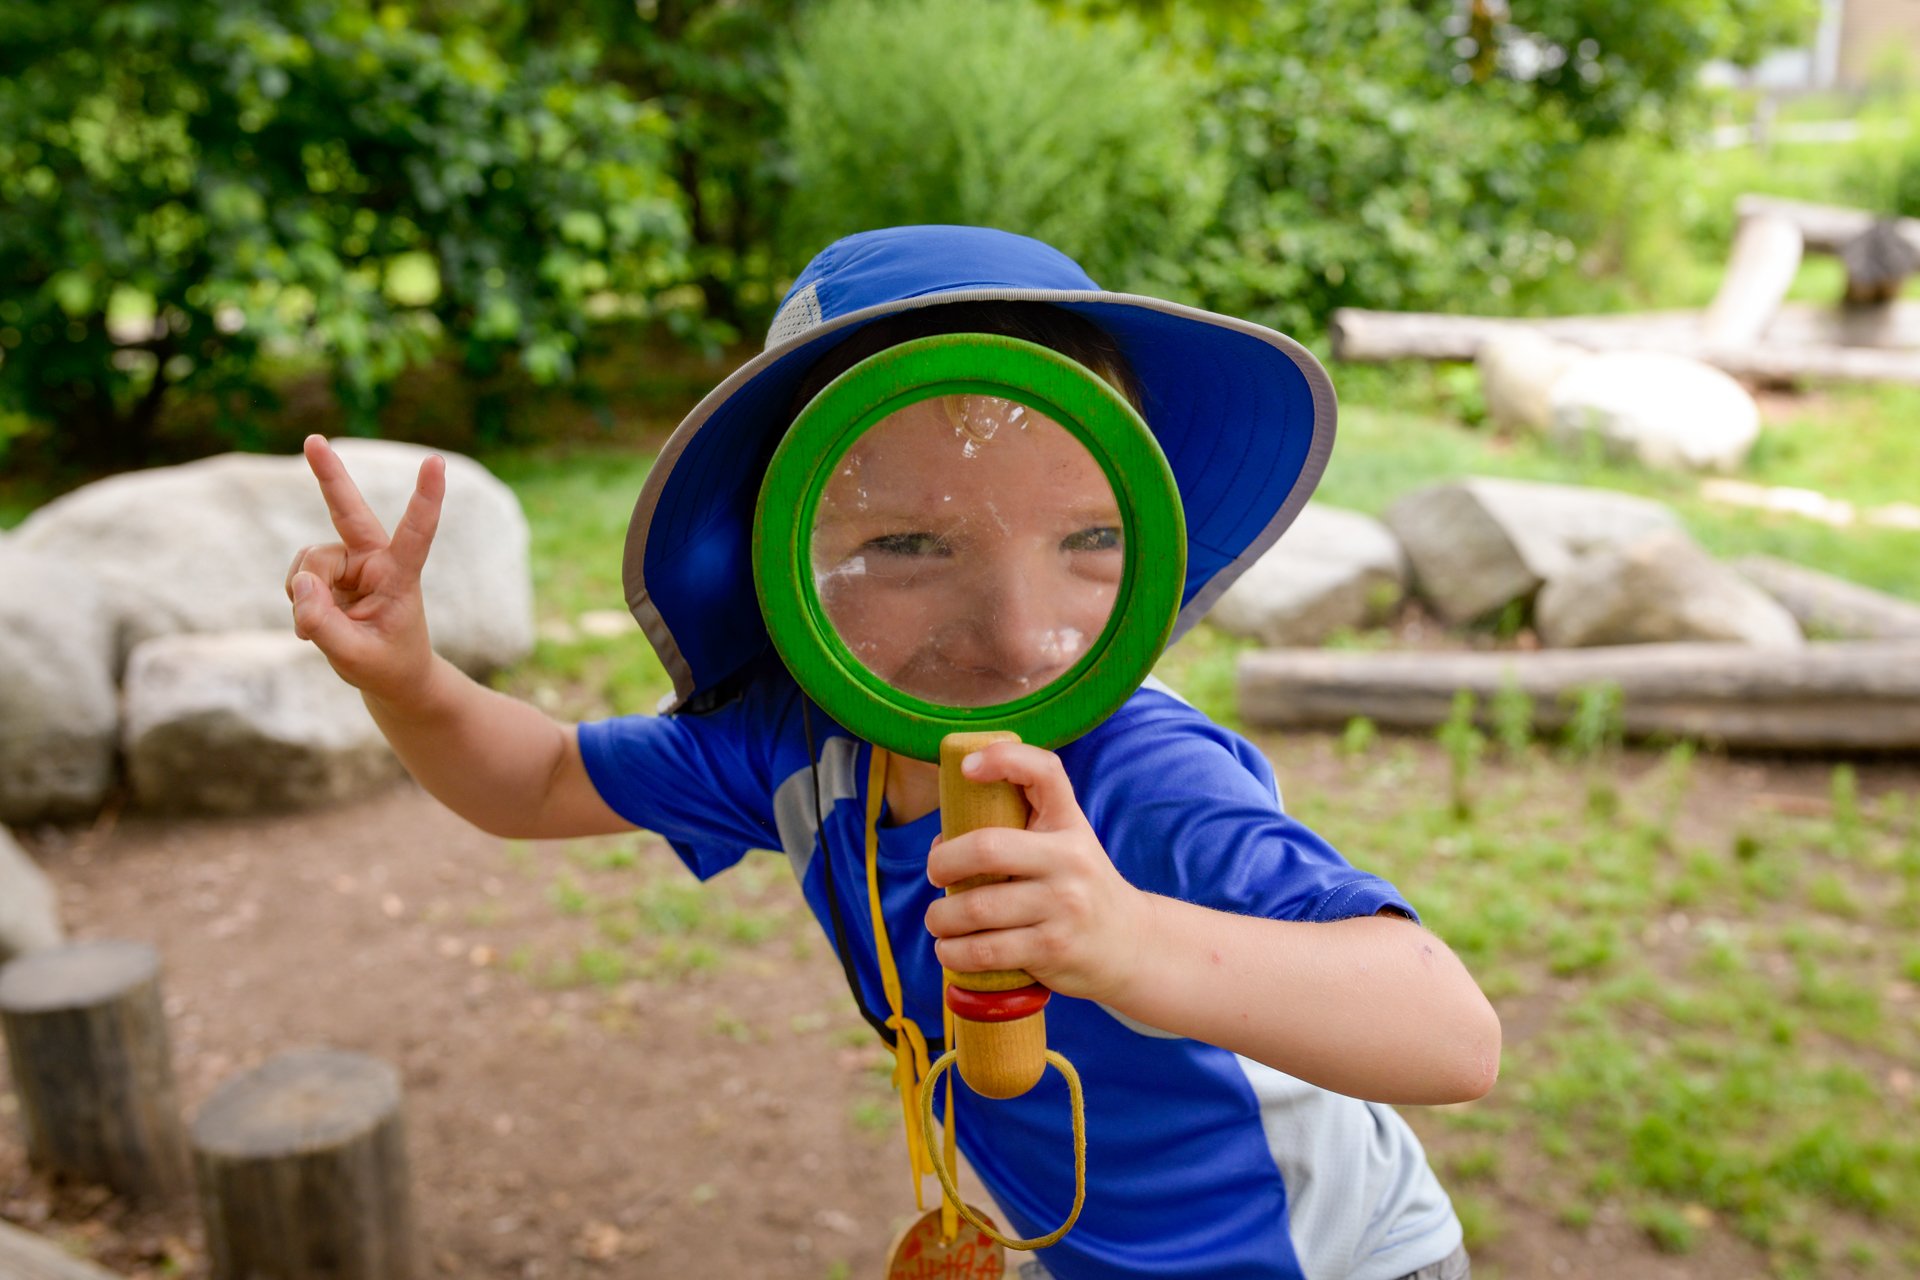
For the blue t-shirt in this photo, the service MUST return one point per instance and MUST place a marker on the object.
(1200, 1163)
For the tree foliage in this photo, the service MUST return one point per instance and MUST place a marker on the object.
(191, 184)
(198, 192)
(1420, 154)
(712, 68)
(946, 111)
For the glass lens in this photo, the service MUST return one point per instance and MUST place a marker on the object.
(967, 550)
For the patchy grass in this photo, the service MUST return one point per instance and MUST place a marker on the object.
(1709, 989)
(623, 911)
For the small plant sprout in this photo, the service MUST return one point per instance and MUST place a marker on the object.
(1909, 863)
(1359, 736)
(1845, 793)
(1464, 745)
(1597, 726)
(1511, 712)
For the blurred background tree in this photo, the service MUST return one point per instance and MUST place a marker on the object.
(191, 185)
(1082, 134)
(202, 197)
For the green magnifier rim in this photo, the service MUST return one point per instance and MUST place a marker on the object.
(1153, 526)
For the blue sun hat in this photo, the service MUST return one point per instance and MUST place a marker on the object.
(1244, 414)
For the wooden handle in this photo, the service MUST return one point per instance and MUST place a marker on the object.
(997, 1059)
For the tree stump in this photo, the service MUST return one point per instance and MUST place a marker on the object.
(303, 1171)
(87, 1045)
(1878, 262)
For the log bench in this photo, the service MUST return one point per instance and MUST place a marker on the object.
(1842, 696)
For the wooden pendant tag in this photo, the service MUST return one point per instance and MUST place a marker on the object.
(920, 1254)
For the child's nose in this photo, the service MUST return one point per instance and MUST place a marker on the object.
(1022, 627)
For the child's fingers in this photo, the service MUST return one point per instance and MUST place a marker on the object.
(1037, 772)
(1022, 948)
(992, 851)
(413, 536)
(991, 906)
(323, 562)
(317, 618)
(359, 528)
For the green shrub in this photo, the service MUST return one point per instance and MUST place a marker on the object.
(193, 189)
(951, 111)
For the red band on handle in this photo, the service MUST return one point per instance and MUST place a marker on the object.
(997, 1006)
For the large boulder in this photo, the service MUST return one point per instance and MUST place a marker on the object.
(1830, 607)
(1658, 409)
(29, 910)
(1518, 371)
(58, 710)
(1333, 569)
(1661, 587)
(205, 547)
(244, 721)
(1478, 544)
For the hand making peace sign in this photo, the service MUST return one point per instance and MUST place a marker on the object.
(359, 599)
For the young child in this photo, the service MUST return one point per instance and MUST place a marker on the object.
(1239, 1001)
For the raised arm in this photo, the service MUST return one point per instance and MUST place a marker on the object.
(497, 762)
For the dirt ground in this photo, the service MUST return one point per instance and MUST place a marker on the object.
(705, 1126)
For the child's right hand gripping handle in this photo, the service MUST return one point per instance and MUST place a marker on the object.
(1000, 1028)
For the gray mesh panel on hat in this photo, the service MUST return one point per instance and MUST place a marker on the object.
(798, 314)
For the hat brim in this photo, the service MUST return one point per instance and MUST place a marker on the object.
(1244, 414)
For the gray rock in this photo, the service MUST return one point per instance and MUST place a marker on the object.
(245, 721)
(205, 547)
(1831, 607)
(29, 909)
(1478, 544)
(58, 711)
(1518, 370)
(1332, 569)
(1658, 409)
(1658, 588)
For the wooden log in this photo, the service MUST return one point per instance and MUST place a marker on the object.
(1832, 607)
(1785, 355)
(1766, 254)
(303, 1171)
(87, 1046)
(25, 1256)
(1825, 228)
(1825, 697)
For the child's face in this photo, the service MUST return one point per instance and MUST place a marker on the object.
(967, 550)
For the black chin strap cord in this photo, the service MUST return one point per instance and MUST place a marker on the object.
(935, 1045)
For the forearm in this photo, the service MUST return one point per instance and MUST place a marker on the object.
(491, 758)
(1376, 1007)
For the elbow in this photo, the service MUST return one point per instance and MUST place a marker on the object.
(1479, 1064)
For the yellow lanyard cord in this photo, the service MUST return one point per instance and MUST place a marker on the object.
(1065, 1068)
(909, 1042)
(912, 1077)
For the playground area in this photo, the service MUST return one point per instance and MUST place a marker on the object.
(611, 1071)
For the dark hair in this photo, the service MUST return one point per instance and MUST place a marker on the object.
(1055, 328)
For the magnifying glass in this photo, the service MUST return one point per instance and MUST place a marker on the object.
(963, 539)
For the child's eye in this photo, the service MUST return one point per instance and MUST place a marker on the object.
(919, 543)
(1100, 538)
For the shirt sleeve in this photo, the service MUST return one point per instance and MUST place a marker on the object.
(698, 781)
(1190, 811)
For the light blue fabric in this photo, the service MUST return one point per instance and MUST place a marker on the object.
(1183, 1179)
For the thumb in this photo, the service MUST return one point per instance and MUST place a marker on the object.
(317, 618)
